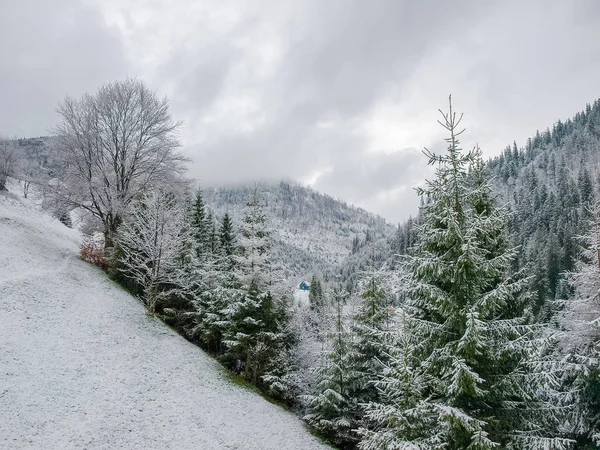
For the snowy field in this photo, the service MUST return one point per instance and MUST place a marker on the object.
(83, 366)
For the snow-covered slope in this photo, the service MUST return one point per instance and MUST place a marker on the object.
(83, 366)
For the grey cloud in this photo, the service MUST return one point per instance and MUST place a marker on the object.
(538, 62)
(346, 53)
(196, 76)
(516, 66)
(382, 183)
(372, 173)
(342, 57)
(49, 50)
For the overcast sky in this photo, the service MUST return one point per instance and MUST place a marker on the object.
(341, 95)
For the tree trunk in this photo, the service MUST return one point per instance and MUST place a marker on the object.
(110, 230)
(108, 238)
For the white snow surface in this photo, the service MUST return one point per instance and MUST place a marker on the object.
(83, 366)
(301, 297)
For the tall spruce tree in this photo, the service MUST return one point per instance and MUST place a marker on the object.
(469, 316)
(315, 295)
(200, 225)
(254, 258)
(369, 329)
(579, 339)
(332, 407)
(213, 236)
(228, 252)
(257, 323)
(227, 241)
(401, 416)
(216, 284)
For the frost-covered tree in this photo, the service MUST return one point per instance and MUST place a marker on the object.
(214, 306)
(113, 146)
(284, 378)
(315, 294)
(401, 417)
(369, 331)
(8, 161)
(257, 316)
(212, 317)
(214, 290)
(580, 335)
(188, 257)
(254, 337)
(150, 246)
(201, 224)
(213, 236)
(227, 242)
(470, 317)
(332, 407)
(254, 259)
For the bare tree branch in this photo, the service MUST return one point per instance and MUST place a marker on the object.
(113, 146)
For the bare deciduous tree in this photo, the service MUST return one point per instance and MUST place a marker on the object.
(8, 161)
(113, 146)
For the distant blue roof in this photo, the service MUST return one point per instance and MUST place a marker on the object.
(304, 285)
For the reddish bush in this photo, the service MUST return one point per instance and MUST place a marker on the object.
(95, 255)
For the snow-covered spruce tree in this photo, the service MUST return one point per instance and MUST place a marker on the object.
(283, 378)
(255, 335)
(191, 257)
(369, 329)
(295, 375)
(215, 306)
(182, 308)
(206, 321)
(315, 294)
(150, 247)
(201, 225)
(580, 336)
(203, 229)
(227, 243)
(213, 321)
(316, 315)
(254, 258)
(402, 417)
(469, 317)
(213, 237)
(332, 408)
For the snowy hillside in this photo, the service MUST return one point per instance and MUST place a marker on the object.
(83, 365)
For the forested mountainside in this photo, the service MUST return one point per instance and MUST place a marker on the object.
(315, 233)
(549, 184)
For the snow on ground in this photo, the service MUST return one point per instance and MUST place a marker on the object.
(83, 366)
(301, 297)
